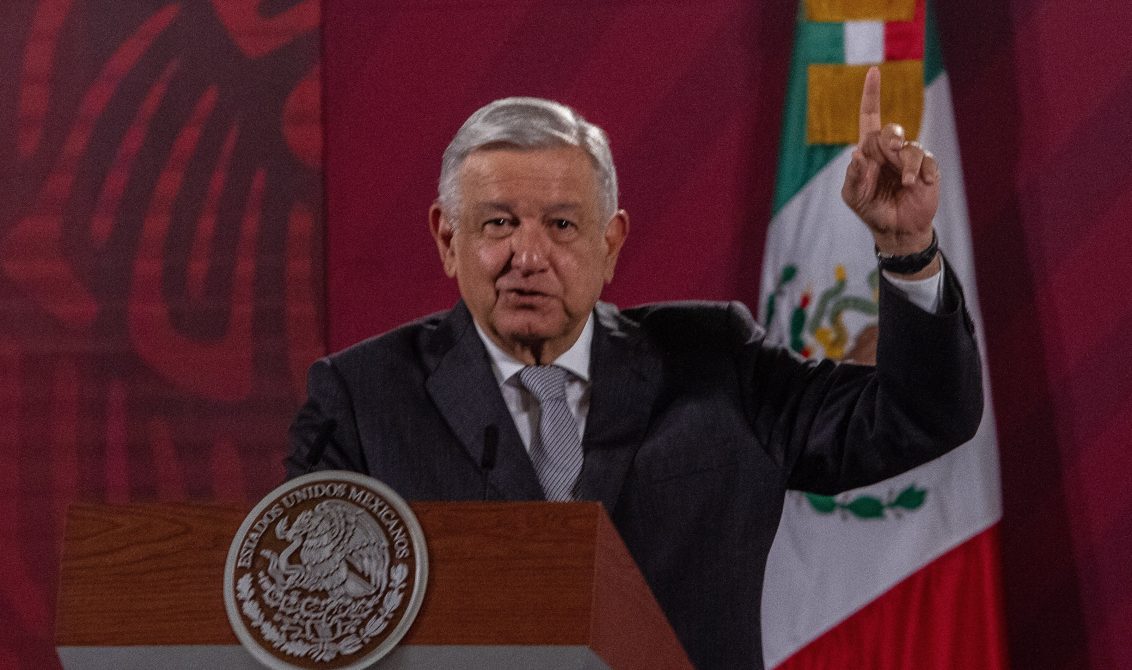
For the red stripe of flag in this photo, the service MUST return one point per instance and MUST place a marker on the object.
(946, 615)
(904, 40)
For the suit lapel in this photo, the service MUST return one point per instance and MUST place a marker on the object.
(625, 380)
(467, 395)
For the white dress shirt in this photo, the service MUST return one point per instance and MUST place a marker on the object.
(523, 406)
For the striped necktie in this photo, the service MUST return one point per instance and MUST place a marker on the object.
(556, 451)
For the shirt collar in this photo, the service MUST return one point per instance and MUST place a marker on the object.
(576, 359)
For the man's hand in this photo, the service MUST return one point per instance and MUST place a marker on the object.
(892, 184)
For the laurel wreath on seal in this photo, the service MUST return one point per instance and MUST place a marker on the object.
(868, 507)
(324, 650)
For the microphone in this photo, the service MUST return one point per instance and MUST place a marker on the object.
(487, 460)
(321, 441)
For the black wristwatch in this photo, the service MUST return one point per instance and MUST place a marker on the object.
(906, 265)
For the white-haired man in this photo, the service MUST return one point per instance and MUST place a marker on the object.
(678, 417)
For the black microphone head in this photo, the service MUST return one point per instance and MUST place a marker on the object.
(327, 429)
(321, 441)
(490, 445)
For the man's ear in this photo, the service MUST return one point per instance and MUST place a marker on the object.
(615, 233)
(442, 231)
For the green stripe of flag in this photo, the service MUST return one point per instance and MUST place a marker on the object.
(933, 55)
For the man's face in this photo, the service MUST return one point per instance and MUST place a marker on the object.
(529, 250)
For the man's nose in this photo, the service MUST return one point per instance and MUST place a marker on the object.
(528, 247)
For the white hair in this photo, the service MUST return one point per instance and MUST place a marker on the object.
(528, 123)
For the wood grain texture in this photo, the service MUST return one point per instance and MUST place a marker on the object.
(628, 628)
(506, 573)
(145, 574)
(499, 573)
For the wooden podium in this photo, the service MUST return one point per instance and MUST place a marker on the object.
(511, 585)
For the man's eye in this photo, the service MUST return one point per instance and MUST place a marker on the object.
(563, 230)
(497, 227)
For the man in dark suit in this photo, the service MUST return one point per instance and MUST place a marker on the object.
(678, 417)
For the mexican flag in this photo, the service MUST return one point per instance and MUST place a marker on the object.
(903, 574)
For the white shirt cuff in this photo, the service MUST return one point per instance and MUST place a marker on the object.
(927, 294)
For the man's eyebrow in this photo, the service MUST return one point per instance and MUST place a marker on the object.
(491, 206)
(565, 206)
(494, 205)
(499, 206)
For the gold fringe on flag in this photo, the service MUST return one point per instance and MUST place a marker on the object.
(860, 10)
(833, 101)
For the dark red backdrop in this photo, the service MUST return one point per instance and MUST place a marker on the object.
(160, 262)
(690, 93)
(160, 265)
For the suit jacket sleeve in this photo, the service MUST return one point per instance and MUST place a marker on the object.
(839, 426)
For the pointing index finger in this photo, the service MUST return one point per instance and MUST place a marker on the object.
(870, 105)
